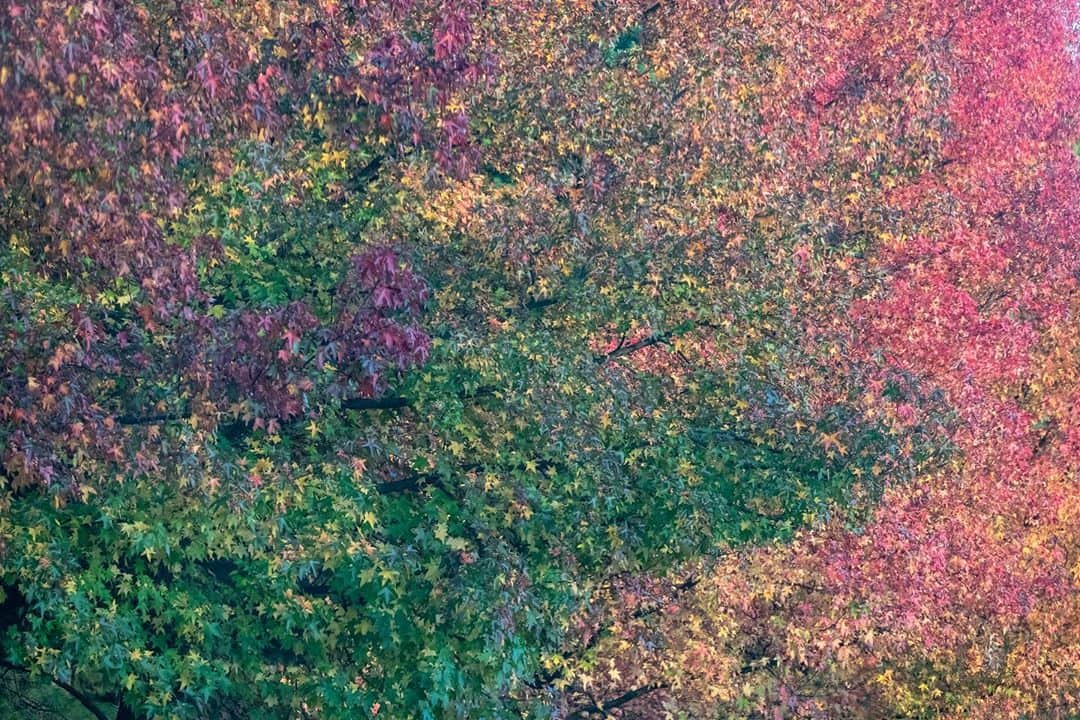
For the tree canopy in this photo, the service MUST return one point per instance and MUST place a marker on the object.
(531, 359)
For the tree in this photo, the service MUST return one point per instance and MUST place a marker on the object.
(958, 597)
(388, 359)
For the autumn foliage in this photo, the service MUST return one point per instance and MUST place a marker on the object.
(531, 359)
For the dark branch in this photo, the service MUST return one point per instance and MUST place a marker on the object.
(85, 700)
(655, 339)
(147, 419)
(543, 303)
(603, 708)
(623, 350)
(411, 483)
(383, 403)
(367, 173)
(688, 584)
(235, 429)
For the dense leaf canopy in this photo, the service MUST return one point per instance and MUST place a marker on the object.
(540, 359)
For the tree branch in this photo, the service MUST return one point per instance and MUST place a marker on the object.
(84, 699)
(654, 339)
(411, 483)
(390, 402)
(604, 707)
(383, 403)
(130, 420)
(366, 174)
(623, 350)
(688, 584)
